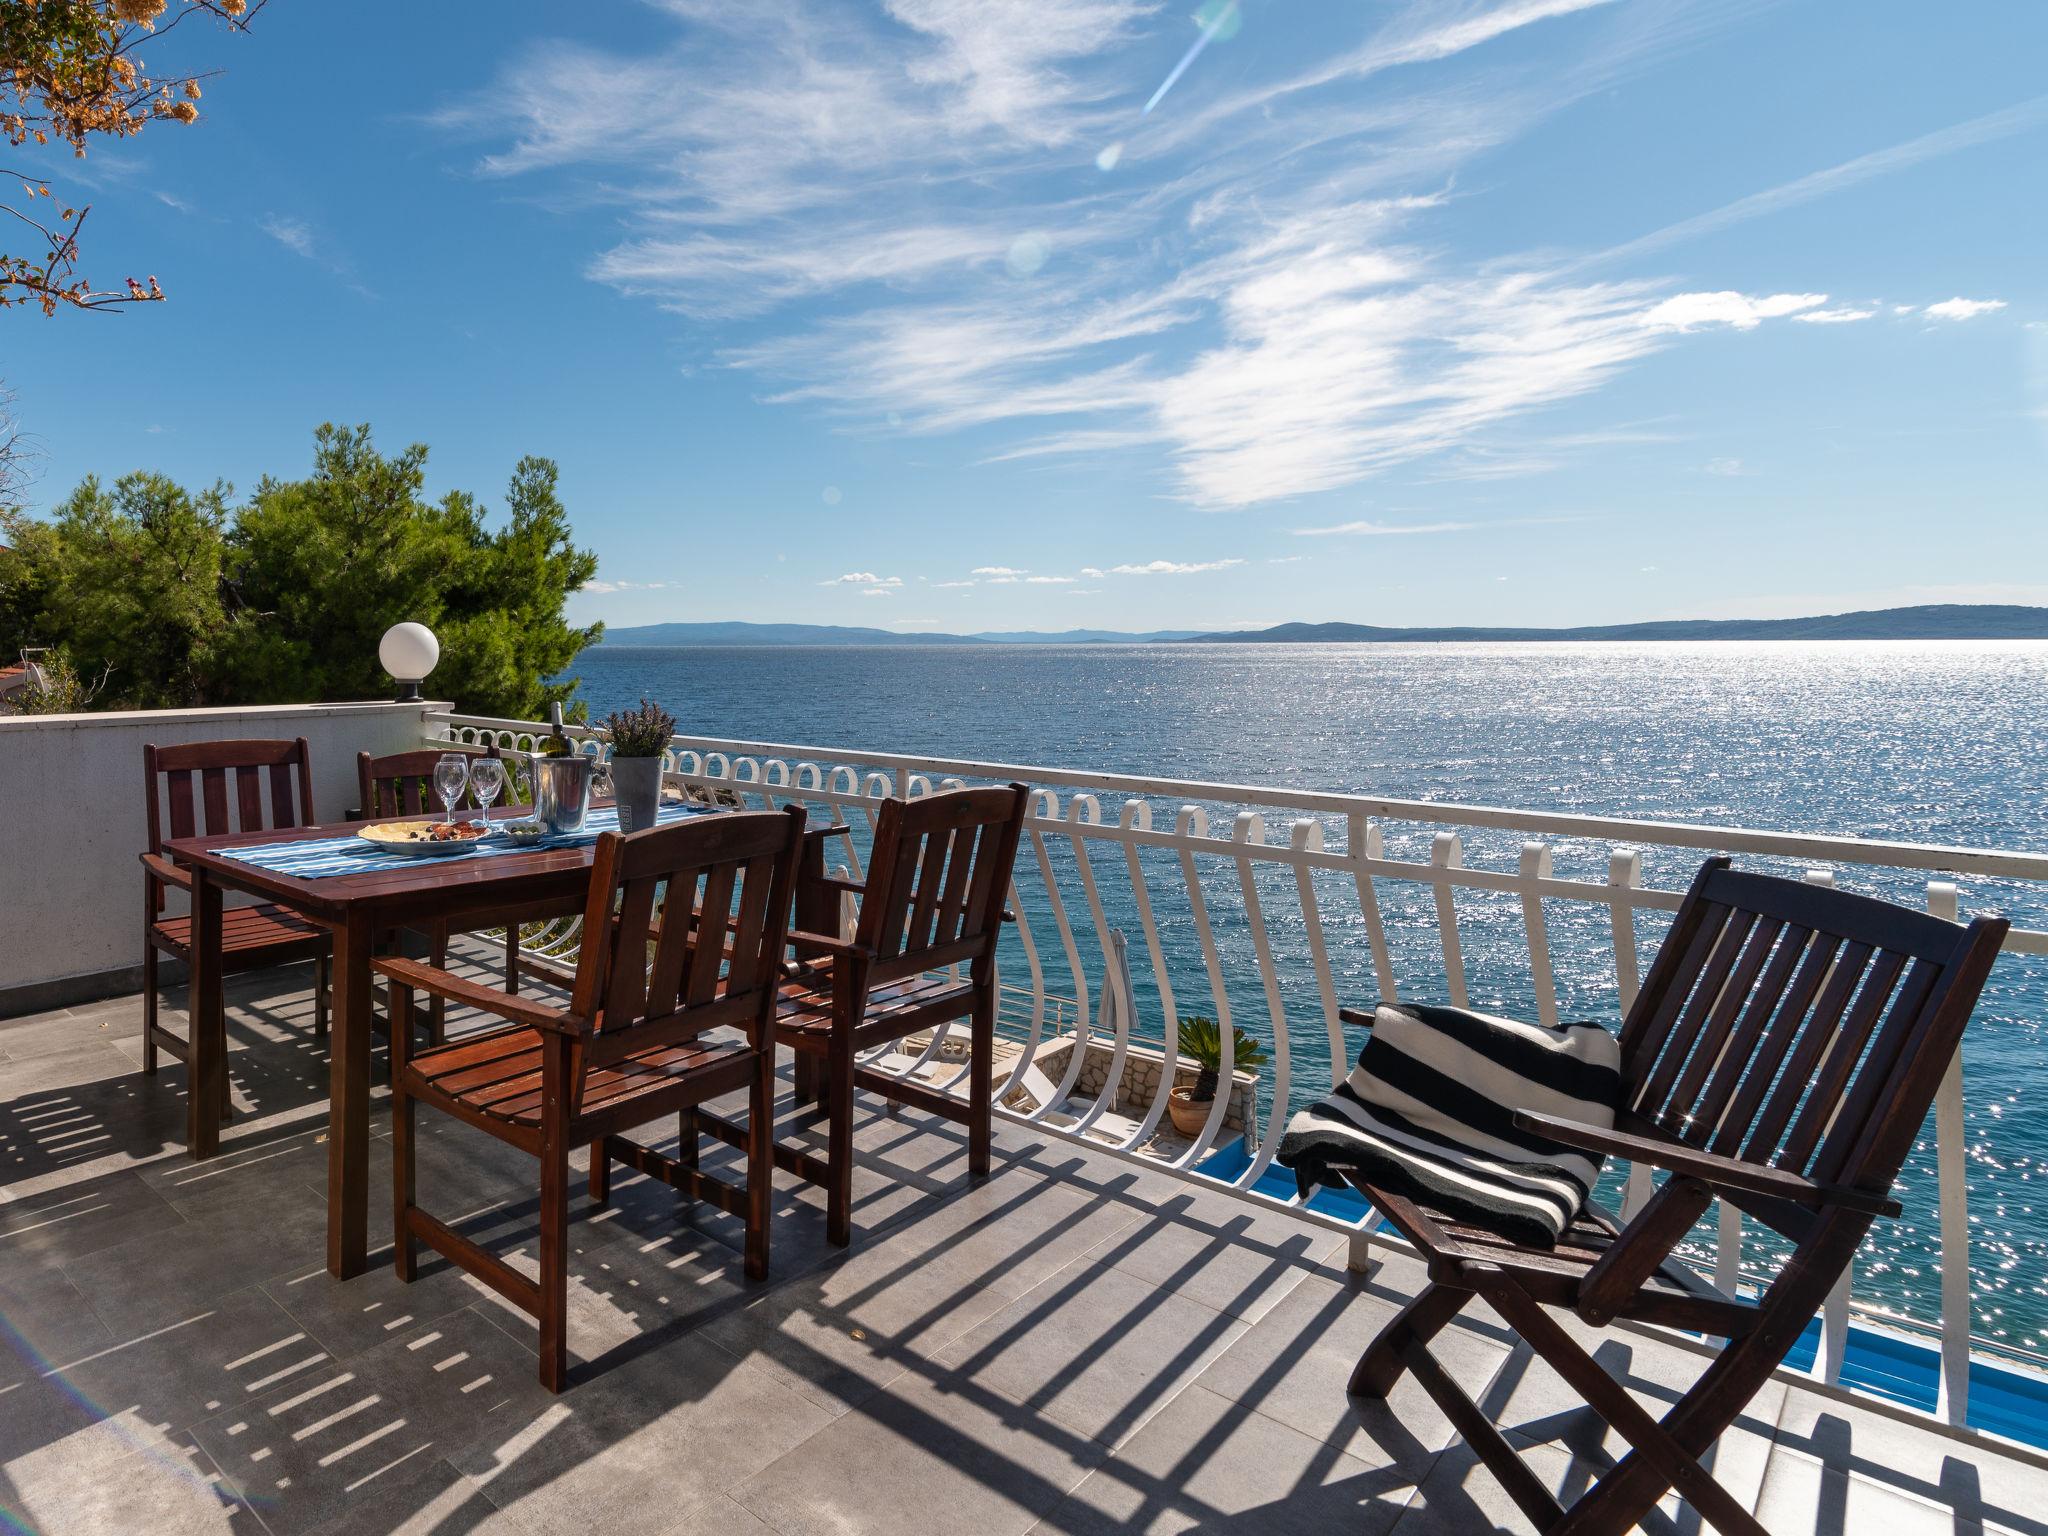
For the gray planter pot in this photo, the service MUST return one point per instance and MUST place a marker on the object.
(636, 786)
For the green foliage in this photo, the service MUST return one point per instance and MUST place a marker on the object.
(642, 732)
(1202, 1043)
(127, 580)
(59, 690)
(284, 599)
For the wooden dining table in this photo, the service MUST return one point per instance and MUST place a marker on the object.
(357, 908)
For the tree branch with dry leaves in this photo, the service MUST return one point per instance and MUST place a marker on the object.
(74, 73)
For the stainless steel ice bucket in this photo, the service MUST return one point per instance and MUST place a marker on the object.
(561, 791)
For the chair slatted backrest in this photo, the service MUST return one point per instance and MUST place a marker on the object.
(696, 913)
(402, 783)
(938, 876)
(1793, 1024)
(211, 788)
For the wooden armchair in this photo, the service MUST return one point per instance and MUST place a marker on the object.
(933, 902)
(187, 787)
(1781, 1056)
(402, 784)
(635, 1042)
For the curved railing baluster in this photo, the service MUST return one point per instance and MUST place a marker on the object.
(1307, 835)
(1249, 830)
(1138, 814)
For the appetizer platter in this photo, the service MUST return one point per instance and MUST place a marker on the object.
(426, 839)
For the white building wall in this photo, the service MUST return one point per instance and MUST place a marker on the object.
(72, 823)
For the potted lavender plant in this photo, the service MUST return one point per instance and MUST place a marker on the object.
(639, 737)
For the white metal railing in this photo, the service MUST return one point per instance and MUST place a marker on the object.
(1361, 897)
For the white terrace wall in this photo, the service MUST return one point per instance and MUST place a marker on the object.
(72, 822)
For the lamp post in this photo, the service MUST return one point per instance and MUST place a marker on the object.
(408, 652)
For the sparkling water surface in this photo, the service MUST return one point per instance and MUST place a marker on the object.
(1938, 742)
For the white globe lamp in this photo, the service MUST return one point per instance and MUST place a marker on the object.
(408, 652)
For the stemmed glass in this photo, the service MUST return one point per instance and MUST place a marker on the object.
(451, 774)
(486, 779)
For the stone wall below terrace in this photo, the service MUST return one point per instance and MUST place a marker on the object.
(1138, 1084)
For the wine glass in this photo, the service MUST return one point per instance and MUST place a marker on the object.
(486, 779)
(451, 774)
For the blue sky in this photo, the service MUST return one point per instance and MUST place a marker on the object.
(911, 314)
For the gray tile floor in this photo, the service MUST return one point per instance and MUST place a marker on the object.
(1077, 1345)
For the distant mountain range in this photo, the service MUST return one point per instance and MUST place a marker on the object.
(1935, 621)
(839, 634)
(1932, 621)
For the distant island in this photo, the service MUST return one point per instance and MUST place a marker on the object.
(1933, 621)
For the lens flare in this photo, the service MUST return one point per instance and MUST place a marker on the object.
(1106, 161)
(830, 495)
(1217, 19)
(1027, 254)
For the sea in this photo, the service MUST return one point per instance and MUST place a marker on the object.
(1938, 742)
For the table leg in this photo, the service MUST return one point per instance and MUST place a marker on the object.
(206, 1041)
(348, 1114)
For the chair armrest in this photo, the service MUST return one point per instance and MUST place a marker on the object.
(1360, 1017)
(799, 937)
(1708, 1167)
(160, 868)
(457, 989)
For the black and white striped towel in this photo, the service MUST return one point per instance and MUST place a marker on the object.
(1428, 1113)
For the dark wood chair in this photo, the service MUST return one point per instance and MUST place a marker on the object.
(933, 902)
(1781, 1056)
(188, 789)
(634, 1043)
(402, 784)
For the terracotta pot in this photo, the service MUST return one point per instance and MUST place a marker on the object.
(1188, 1113)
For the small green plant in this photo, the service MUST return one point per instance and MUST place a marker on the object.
(1202, 1043)
(642, 732)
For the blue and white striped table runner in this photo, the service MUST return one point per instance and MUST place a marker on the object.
(318, 857)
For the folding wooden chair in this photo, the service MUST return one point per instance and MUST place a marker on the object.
(634, 1043)
(1781, 1056)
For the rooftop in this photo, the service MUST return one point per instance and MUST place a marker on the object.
(1079, 1344)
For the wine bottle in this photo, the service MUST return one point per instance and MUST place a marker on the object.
(557, 742)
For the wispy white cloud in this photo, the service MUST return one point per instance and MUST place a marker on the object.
(1692, 311)
(878, 592)
(605, 588)
(862, 190)
(295, 235)
(1092, 573)
(1844, 316)
(1727, 468)
(999, 570)
(1964, 309)
(1048, 581)
(1371, 528)
(1368, 529)
(956, 583)
(1172, 567)
(862, 579)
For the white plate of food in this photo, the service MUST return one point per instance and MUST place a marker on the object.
(426, 839)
